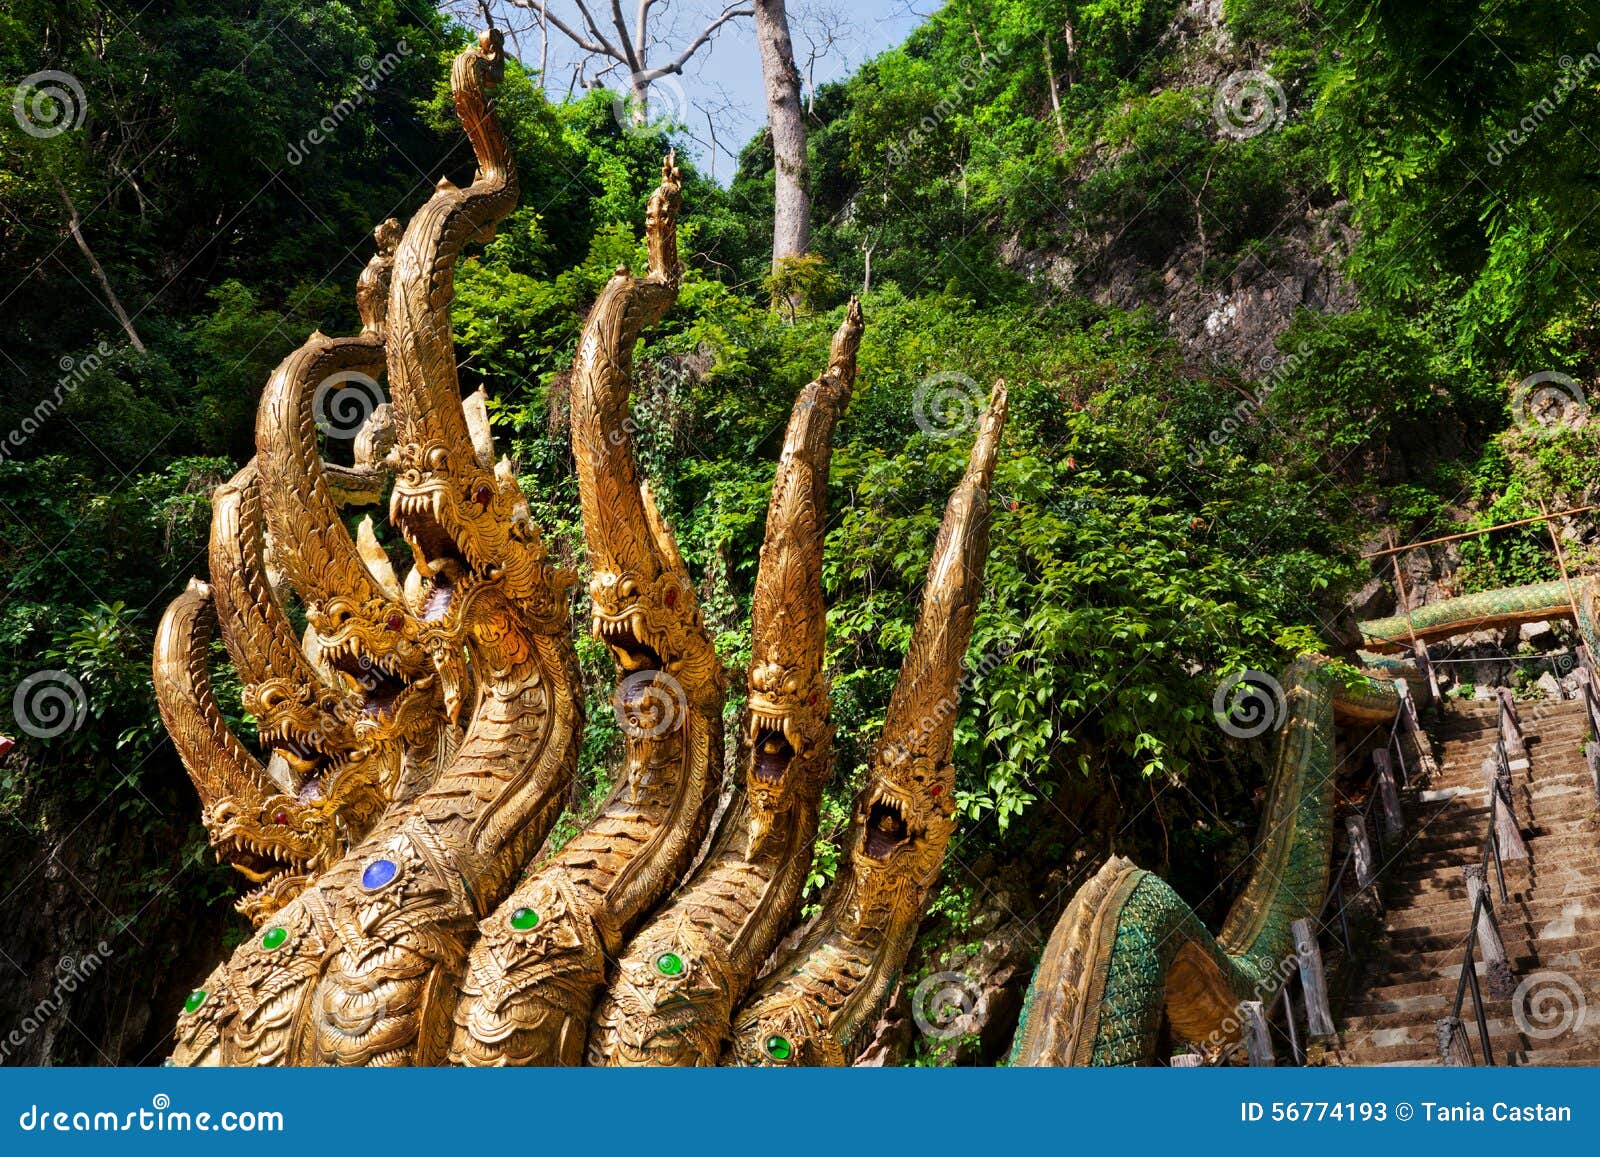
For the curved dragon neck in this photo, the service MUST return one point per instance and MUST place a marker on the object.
(727, 919)
(317, 553)
(1525, 604)
(818, 998)
(445, 860)
(259, 637)
(422, 365)
(220, 766)
(542, 957)
(1129, 952)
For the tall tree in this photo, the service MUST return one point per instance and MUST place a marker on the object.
(791, 210)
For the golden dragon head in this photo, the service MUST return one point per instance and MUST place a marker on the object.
(905, 814)
(321, 785)
(276, 827)
(645, 609)
(788, 737)
(462, 513)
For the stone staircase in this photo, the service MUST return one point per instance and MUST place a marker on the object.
(1550, 925)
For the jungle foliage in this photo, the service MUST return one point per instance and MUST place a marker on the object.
(1159, 524)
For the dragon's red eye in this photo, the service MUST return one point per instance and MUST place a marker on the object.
(280, 817)
(483, 496)
(672, 598)
(395, 622)
(937, 789)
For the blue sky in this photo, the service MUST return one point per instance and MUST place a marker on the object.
(725, 76)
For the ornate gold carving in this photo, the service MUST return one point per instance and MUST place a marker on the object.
(399, 938)
(820, 998)
(726, 920)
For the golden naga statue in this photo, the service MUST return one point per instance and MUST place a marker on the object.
(421, 738)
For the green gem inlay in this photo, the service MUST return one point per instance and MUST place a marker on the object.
(196, 999)
(779, 1049)
(524, 918)
(669, 964)
(274, 938)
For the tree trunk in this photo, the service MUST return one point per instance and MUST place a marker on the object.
(75, 227)
(791, 216)
(640, 114)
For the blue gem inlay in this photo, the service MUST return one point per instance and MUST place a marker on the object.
(377, 874)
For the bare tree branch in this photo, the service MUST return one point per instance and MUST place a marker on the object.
(698, 43)
(632, 49)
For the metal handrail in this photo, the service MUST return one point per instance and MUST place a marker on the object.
(1468, 981)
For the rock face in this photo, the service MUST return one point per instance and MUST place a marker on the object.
(99, 960)
(1227, 312)
(1237, 322)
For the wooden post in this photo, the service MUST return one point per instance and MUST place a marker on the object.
(1187, 1061)
(1511, 731)
(1389, 795)
(1453, 1048)
(1506, 832)
(1257, 1038)
(1356, 828)
(1418, 647)
(1490, 946)
(1426, 768)
(1319, 1019)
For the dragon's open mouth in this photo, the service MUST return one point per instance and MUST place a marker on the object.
(772, 741)
(257, 862)
(886, 828)
(294, 760)
(621, 634)
(383, 692)
(382, 689)
(420, 517)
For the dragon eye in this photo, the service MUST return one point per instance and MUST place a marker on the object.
(438, 458)
(778, 1048)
